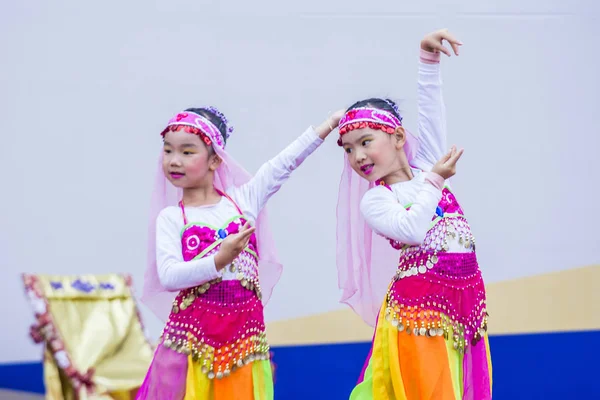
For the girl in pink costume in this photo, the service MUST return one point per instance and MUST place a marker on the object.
(411, 246)
(212, 260)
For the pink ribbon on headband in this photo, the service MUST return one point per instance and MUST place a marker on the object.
(368, 114)
(189, 118)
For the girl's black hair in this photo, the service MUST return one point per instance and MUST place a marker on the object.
(214, 118)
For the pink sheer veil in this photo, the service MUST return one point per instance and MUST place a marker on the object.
(366, 262)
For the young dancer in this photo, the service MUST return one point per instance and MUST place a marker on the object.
(411, 237)
(212, 245)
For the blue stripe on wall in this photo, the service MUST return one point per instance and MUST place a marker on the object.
(537, 366)
(27, 377)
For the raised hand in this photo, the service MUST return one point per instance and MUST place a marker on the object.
(434, 42)
(446, 166)
(330, 124)
(336, 116)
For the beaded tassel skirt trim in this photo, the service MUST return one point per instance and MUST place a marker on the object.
(214, 348)
(430, 341)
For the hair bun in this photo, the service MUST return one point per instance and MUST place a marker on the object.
(222, 117)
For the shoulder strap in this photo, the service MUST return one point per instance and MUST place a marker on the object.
(231, 200)
(183, 212)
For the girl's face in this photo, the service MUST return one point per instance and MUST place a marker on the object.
(374, 154)
(187, 161)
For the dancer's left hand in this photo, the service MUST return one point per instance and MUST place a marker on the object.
(330, 124)
(336, 117)
(434, 42)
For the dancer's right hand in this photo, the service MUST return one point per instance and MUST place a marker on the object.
(446, 166)
(233, 245)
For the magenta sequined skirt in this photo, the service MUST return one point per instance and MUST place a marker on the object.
(221, 328)
(432, 292)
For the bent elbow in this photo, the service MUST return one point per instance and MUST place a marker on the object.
(167, 284)
(166, 280)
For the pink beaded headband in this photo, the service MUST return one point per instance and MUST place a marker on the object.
(368, 117)
(196, 124)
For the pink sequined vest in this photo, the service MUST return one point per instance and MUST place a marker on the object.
(220, 323)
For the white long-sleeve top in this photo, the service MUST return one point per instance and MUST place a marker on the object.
(175, 273)
(384, 209)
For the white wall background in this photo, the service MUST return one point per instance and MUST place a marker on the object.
(86, 88)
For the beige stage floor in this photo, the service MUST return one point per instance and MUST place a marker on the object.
(10, 395)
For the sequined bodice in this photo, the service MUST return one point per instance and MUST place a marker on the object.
(449, 232)
(198, 239)
(447, 224)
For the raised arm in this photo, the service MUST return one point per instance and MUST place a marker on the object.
(432, 111)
